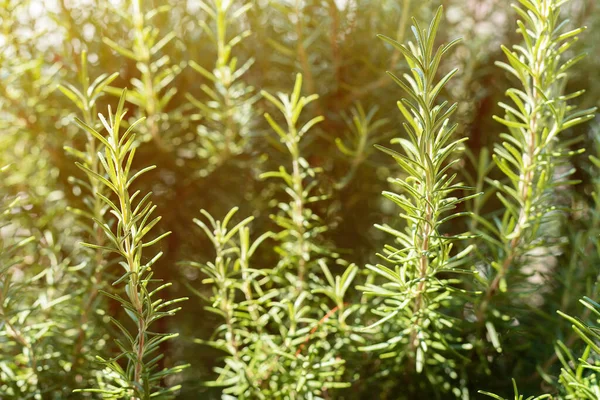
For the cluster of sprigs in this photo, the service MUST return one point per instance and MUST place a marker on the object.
(226, 113)
(274, 347)
(578, 377)
(243, 321)
(140, 377)
(414, 291)
(536, 162)
(278, 333)
(305, 257)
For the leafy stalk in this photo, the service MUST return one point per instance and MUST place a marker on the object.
(157, 72)
(126, 237)
(277, 340)
(531, 152)
(227, 111)
(299, 223)
(415, 290)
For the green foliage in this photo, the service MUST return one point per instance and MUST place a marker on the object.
(300, 225)
(262, 337)
(93, 264)
(278, 333)
(153, 90)
(141, 377)
(531, 153)
(416, 290)
(227, 112)
(363, 133)
(478, 282)
(15, 343)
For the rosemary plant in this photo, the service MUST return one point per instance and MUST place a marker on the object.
(267, 338)
(532, 157)
(419, 285)
(140, 378)
(465, 293)
(299, 223)
(276, 338)
(153, 92)
(230, 274)
(227, 112)
(305, 255)
(37, 286)
(578, 377)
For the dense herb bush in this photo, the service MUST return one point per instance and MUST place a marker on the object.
(191, 203)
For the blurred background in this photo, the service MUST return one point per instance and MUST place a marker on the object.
(206, 133)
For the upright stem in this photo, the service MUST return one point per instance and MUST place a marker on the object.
(141, 327)
(222, 65)
(223, 57)
(226, 303)
(528, 176)
(130, 250)
(425, 228)
(247, 290)
(425, 235)
(298, 205)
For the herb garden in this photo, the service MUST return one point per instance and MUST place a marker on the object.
(299, 199)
